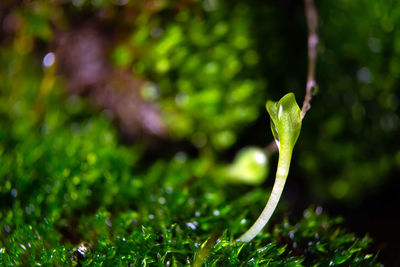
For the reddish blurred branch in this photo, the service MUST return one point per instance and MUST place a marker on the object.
(82, 55)
(312, 24)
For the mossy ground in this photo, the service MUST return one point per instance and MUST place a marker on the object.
(72, 195)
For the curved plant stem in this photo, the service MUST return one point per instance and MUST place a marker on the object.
(285, 126)
(312, 24)
(282, 172)
(286, 118)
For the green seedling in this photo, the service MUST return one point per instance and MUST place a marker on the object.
(285, 126)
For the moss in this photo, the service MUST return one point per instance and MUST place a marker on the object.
(71, 195)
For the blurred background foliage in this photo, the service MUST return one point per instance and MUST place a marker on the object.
(187, 80)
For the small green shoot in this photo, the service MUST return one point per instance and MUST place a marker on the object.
(285, 126)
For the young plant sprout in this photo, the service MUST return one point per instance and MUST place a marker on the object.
(285, 125)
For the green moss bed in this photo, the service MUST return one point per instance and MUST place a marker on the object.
(72, 195)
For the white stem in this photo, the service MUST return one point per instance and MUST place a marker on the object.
(281, 175)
